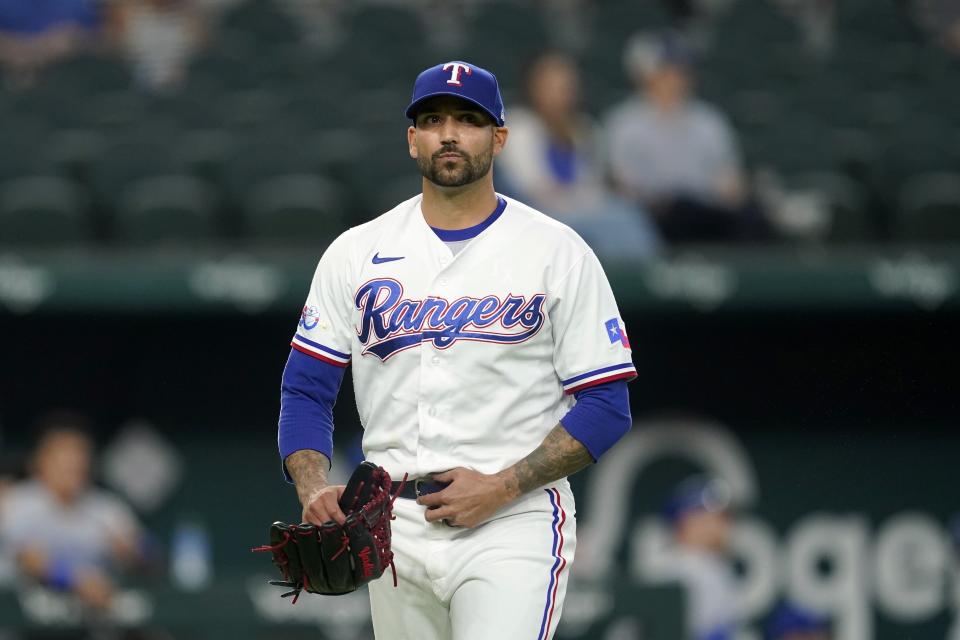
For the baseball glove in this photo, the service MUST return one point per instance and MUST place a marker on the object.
(335, 559)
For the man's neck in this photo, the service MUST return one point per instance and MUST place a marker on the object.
(458, 207)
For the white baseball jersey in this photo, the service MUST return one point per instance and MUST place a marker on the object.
(467, 359)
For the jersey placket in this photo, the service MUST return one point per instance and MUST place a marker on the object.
(434, 402)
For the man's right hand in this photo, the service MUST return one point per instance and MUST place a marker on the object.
(323, 505)
(94, 589)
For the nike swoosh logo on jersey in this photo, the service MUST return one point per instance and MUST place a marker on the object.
(378, 260)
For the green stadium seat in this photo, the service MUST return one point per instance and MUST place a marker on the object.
(252, 109)
(289, 67)
(23, 153)
(754, 108)
(877, 22)
(50, 106)
(166, 209)
(801, 145)
(189, 110)
(504, 36)
(387, 29)
(203, 152)
(116, 110)
(72, 152)
(81, 76)
(616, 20)
(125, 161)
(228, 67)
(260, 157)
(42, 211)
(395, 191)
(300, 208)
(854, 150)
(850, 220)
(263, 20)
(930, 208)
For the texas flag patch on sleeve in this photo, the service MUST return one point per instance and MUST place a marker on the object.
(616, 333)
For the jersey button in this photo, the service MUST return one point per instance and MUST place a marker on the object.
(443, 282)
(443, 262)
(435, 360)
(432, 412)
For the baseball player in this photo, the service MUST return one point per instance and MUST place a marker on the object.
(698, 512)
(489, 363)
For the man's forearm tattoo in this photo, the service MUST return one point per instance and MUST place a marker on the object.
(558, 456)
(308, 468)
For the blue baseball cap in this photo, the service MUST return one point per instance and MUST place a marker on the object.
(790, 618)
(698, 493)
(463, 80)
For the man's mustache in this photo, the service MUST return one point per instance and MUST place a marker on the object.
(446, 150)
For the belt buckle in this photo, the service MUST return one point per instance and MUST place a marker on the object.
(416, 486)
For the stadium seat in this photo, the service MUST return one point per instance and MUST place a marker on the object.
(258, 157)
(395, 191)
(798, 147)
(116, 111)
(876, 22)
(203, 152)
(930, 208)
(72, 152)
(300, 208)
(387, 29)
(123, 162)
(42, 211)
(847, 201)
(251, 109)
(264, 20)
(81, 76)
(230, 67)
(50, 106)
(166, 209)
(854, 150)
(751, 24)
(22, 153)
(504, 37)
(190, 110)
(615, 21)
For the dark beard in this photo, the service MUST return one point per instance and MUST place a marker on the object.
(471, 169)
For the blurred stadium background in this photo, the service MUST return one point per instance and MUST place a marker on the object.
(171, 170)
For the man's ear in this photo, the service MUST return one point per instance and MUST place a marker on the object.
(500, 135)
(412, 141)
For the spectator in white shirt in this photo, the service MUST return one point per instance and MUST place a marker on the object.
(676, 155)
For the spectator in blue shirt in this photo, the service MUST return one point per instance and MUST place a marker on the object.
(36, 33)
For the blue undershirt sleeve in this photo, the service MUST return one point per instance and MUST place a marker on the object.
(307, 394)
(600, 417)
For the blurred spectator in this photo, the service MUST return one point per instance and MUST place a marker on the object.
(941, 18)
(677, 155)
(817, 21)
(159, 37)
(62, 532)
(790, 622)
(552, 161)
(321, 21)
(698, 515)
(8, 478)
(36, 33)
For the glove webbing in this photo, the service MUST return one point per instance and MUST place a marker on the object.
(381, 532)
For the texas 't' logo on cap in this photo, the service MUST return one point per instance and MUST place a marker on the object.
(456, 69)
(463, 80)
